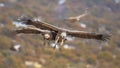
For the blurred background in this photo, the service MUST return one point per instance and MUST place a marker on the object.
(104, 16)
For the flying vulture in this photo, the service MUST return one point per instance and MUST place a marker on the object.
(76, 18)
(60, 33)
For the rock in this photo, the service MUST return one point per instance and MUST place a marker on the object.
(16, 47)
(83, 25)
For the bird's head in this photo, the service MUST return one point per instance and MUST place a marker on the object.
(47, 36)
(64, 34)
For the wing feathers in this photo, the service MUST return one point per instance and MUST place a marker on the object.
(41, 25)
(86, 35)
(104, 37)
(31, 31)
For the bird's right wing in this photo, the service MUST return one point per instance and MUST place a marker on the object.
(41, 25)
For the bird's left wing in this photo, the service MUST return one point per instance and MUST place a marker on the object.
(88, 35)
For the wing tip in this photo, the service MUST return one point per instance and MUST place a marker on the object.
(25, 19)
(105, 37)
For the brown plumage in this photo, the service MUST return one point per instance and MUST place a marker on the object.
(76, 18)
(58, 34)
(73, 33)
(47, 35)
(30, 30)
(88, 35)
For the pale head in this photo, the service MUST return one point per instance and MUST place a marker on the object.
(63, 34)
(47, 36)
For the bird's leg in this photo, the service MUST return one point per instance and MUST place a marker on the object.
(56, 41)
(62, 43)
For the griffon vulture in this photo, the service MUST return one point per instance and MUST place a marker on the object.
(62, 33)
(76, 18)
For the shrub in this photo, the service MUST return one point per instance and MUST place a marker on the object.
(105, 55)
(5, 42)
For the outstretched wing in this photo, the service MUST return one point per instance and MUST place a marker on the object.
(41, 25)
(87, 35)
(29, 30)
